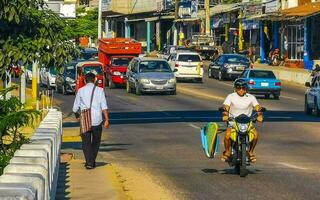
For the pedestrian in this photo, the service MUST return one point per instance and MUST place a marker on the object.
(92, 98)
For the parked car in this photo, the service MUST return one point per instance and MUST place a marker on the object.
(16, 71)
(48, 76)
(262, 82)
(28, 73)
(228, 66)
(66, 79)
(150, 75)
(312, 96)
(187, 65)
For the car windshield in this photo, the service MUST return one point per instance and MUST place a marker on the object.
(154, 66)
(261, 74)
(71, 71)
(189, 57)
(121, 62)
(236, 59)
(97, 70)
(53, 70)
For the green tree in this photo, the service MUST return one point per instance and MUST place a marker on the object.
(12, 117)
(85, 24)
(30, 32)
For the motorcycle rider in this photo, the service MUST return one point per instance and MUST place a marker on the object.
(237, 103)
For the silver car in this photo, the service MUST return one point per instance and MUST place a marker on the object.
(150, 75)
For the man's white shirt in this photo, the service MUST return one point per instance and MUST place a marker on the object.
(240, 105)
(99, 102)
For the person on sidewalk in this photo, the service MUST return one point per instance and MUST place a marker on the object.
(93, 98)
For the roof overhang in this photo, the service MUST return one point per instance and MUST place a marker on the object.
(303, 11)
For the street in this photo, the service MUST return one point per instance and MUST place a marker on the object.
(160, 136)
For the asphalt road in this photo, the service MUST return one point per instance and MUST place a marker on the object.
(160, 134)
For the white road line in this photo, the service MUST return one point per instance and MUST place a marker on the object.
(160, 118)
(292, 166)
(194, 126)
(287, 97)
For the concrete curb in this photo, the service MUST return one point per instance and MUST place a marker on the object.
(299, 76)
(33, 171)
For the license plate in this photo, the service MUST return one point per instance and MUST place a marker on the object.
(159, 87)
(264, 84)
(239, 68)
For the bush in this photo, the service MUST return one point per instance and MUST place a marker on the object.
(13, 116)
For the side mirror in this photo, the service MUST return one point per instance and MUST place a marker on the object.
(263, 109)
(175, 70)
(307, 84)
(221, 109)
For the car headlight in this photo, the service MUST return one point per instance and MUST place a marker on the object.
(243, 127)
(68, 79)
(146, 81)
(116, 73)
(173, 80)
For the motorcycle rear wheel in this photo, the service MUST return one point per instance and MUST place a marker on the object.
(243, 164)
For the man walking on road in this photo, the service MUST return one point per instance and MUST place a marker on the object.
(93, 98)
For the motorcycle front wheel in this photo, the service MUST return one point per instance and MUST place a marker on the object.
(243, 163)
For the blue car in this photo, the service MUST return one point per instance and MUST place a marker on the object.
(262, 82)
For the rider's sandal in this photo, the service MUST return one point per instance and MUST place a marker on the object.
(224, 157)
(252, 158)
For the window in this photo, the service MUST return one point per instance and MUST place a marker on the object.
(189, 57)
(262, 74)
(295, 41)
(123, 62)
(236, 59)
(92, 69)
(134, 66)
(154, 66)
(244, 74)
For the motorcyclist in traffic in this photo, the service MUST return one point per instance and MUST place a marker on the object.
(237, 103)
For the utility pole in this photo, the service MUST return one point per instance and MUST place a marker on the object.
(35, 77)
(175, 32)
(207, 10)
(99, 19)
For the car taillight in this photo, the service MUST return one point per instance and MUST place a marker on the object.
(177, 65)
(251, 82)
(278, 83)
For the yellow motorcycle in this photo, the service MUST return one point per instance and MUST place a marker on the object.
(242, 135)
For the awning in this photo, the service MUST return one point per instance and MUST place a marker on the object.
(266, 17)
(306, 10)
(187, 20)
(224, 8)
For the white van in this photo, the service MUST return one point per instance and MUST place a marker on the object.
(188, 65)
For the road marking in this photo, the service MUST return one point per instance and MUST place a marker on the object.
(287, 97)
(194, 126)
(292, 166)
(160, 118)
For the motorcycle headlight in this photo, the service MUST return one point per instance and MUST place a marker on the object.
(68, 79)
(100, 81)
(173, 80)
(116, 73)
(146, 81)
(243, 127)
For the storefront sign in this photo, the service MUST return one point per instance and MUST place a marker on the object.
(105, 5)
(250, 24)
(188, 9)
(272, 7)
(251, 10)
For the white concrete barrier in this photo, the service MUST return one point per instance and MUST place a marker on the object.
(29, 179)
(24, 169)
(13, 191)
(34, 169)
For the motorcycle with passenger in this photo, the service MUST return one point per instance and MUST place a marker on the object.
(242, 135)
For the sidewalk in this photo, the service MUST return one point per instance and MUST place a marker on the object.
(294, 75)
(76, 182)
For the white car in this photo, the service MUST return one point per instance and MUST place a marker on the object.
(312, 96)
(48, 77)
(188, 65)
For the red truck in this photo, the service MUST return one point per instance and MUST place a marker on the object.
(116, 54)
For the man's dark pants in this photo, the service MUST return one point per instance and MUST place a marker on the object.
(91, 143)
